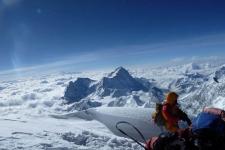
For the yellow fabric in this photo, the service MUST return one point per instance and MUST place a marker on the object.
(154, 115)
(171, 98)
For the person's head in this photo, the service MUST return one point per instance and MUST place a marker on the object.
(171, 98)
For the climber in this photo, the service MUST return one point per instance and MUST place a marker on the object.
(172, 113)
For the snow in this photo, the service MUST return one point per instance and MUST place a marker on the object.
(45, 132)
(34, 115)
(139, 117)
(25, 106)
(19, 131)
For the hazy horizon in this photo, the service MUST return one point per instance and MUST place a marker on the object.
(93, 34)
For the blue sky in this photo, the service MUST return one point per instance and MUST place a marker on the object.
(104, 33)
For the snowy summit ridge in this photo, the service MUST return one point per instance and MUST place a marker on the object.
(118, 83)
(120, 71)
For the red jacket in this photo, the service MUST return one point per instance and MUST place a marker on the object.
(171, 115)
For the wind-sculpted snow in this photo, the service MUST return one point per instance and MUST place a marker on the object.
(139, 117)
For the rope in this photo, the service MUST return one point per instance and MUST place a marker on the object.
(143, 138)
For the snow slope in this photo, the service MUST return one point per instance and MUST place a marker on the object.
(139, 117)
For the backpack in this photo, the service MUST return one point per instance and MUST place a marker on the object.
(207, 125)
(157, 116)
(208, 130)
(209, 120)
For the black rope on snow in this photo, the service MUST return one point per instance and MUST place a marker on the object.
(139, 132)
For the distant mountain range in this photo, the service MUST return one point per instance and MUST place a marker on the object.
(119, 85)
(199, 85)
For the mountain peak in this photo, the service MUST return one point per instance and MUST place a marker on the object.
(120, 71)
(220, 72)
(119, 83)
